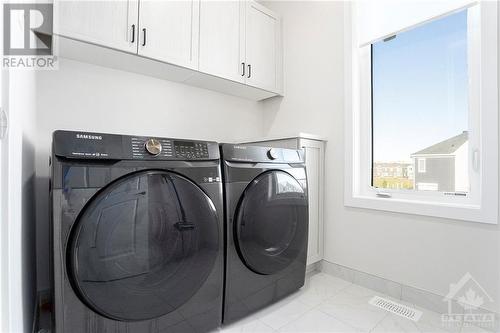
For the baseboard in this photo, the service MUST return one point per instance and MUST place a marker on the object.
(314, 267)
(418, 297)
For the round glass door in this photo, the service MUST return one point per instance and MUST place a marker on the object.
(271, 222)
(143, 246)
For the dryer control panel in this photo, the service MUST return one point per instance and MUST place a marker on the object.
(84, 145)
(258, 154)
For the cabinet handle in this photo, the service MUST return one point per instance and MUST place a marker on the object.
(249, 71)
(133, 34)
(143, 36)
(243, 69)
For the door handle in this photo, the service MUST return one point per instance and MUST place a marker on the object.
(133, 34)
(242, 69)
(249, 71)
(181, 226)
(475, 160)
(143, 36)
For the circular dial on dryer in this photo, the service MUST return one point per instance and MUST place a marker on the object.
(272, 154)
(153, 147)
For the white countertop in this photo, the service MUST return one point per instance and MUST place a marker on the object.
(300, 135)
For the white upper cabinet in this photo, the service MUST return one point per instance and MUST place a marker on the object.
(107, 23)
(263, 48)
(241, 41)
(229, 46)
(222, 47)
(169, 31)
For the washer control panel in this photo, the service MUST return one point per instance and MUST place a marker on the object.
(190, 149)
(151, 147)
(86, 145)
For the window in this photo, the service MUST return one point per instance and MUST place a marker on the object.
(422, 117)
(419, 103)
(421, 165)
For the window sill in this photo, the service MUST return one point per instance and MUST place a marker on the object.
(464, 212)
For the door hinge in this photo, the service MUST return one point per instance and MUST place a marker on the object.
(4, 123)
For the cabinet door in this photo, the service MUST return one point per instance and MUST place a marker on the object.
(263, 47)
(106, 23)
(315, 151)
(169, 31)
(222, 48)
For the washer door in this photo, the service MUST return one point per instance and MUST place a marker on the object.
(271, 222)
(143, 246)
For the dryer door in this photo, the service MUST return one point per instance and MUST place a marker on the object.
(143, 246)
(271, 222)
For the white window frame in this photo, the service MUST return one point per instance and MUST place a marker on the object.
(481, 203)
(427, 186)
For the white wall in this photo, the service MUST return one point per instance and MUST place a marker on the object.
(422, 252)
(91, 98)
(17, 215)
(20, 269)
(313, 69)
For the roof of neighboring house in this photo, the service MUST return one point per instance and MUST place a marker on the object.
(445, 147)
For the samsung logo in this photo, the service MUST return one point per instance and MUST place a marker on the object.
(89, 137)
(239, 147)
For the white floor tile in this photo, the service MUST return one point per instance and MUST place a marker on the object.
(360, 291)
(351, 307)
(247, 326)
(330, 304)
(316, 321)
(320, 287)
(430, 321)
(393, 324)
(467, 328)
(286, 311)
(434, 319)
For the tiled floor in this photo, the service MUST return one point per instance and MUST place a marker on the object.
(330, 304)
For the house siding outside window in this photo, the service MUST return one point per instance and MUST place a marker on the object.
(443, 166)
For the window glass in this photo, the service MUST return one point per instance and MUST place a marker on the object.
(420, 108)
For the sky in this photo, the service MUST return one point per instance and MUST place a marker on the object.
(420, 88)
